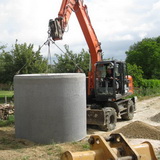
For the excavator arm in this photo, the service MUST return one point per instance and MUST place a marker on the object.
(59, 24)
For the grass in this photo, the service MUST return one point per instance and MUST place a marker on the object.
(7, 94)
(12, 148)
(9, 121)
(146, 93)
(20, 149)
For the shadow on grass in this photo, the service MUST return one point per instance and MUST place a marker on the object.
(9, 141)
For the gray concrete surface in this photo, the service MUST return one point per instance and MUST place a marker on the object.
(50, 108)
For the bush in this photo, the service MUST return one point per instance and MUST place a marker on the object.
(147, 88)
(150, 83)
(137, 74)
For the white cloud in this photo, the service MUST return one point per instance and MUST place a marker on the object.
(156, 6)
(114, 21)
(122, 37)
(143, 35)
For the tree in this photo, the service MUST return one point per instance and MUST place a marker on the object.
(146, 54)
(70, 62)
(21, 60)
(137, 74)
(2, 66)
(2, 48)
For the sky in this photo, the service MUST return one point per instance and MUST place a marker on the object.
(118, 24)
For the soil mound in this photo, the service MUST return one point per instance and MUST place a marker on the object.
(156, 118)
(140, 129)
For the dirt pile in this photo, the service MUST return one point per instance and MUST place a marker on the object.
(156, 118)
(140, 129)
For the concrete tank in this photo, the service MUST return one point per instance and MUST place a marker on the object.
(50, 107)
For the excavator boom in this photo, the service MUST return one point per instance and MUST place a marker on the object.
(59, 24)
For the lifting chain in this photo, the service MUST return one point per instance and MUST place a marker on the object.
(48, 42)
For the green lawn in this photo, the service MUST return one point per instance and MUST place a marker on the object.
(8, 94)
(10, 120)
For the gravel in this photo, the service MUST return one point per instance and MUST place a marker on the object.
(156, 118)
(140, 129)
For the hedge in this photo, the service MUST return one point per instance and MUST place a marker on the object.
(150, 83)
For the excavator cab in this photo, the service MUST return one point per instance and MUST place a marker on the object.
(111, 80)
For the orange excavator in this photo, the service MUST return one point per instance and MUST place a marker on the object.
(108, 83)
(108, 87)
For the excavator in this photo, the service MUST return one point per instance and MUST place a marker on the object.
(108, 88)
(108, 84)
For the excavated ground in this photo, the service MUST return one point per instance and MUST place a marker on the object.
(145, 126)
